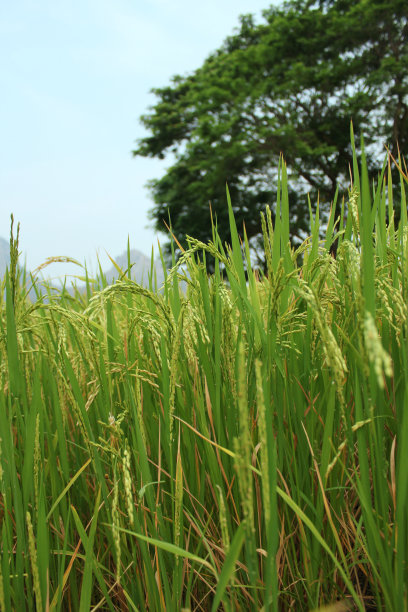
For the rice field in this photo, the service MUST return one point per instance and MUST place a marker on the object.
(235, 445)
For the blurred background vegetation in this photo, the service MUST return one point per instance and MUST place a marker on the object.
(290, 85)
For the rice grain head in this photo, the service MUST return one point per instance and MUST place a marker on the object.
(377, 355)
(127, 482)
(115, 526)
(263, 441)
(223, 521)
(34, 562)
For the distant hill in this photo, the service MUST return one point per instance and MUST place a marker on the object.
(140, 268)
(4, 256)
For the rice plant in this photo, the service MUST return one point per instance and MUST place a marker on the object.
(238, 444)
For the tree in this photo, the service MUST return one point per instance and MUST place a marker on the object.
(289, 85)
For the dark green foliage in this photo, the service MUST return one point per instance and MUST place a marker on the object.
(290, 85)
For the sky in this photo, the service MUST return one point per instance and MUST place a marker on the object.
(74, 78)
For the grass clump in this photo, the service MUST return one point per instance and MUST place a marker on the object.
(239, 445)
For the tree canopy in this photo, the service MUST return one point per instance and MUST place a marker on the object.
(289, 85)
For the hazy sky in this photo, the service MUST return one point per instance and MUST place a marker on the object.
(74, 78)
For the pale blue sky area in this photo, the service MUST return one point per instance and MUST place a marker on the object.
(74, 78)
